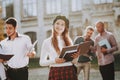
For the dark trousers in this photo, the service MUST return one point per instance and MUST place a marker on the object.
(107, 72)
(17, 74)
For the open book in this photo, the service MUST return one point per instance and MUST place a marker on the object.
(68, 51)
(6, 57)
(84, 47)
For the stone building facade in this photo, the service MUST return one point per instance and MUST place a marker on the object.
(35, 16)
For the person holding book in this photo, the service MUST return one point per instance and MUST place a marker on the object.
(51, 50)
(83, 62)
(18, 45)
(105, 45)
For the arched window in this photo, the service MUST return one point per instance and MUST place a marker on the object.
(7, 8)
(32, 35)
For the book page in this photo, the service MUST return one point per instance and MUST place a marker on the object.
(69, 52)
(32, 47)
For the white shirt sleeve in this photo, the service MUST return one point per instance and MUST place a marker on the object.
(45, 53)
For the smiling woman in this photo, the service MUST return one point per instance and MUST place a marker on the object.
(59, 26)
(59, 69)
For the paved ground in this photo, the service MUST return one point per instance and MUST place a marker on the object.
(42, 74)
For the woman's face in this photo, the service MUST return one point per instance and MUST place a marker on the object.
(59, 26)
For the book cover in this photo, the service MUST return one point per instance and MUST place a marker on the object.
(67, 52)
(84, 47)
(6, 57)
(104, 43)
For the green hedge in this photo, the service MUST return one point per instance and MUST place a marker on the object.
(34, 63)
(117, 62)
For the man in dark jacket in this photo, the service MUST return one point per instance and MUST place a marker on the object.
(83, 61)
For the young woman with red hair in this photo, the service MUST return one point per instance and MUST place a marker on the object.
(51, 50)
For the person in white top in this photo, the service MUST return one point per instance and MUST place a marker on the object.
(51, 49)
(19, 45)
(2, 70)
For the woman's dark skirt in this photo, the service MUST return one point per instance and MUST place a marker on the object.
(63, 73)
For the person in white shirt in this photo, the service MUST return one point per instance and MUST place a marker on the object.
(51, 49)
(2, 70)
(19, 45)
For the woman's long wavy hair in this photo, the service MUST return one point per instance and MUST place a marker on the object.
(65, 34)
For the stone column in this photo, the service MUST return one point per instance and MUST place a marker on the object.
(0, 9)
(17, 12)
(65, 7)
(40, 17)
(86, 12)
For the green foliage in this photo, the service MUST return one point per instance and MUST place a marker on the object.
(117, 62)
(34, 63)
(1, 29)
(94, 63)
